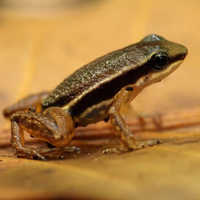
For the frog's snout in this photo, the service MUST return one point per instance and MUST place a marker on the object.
(184, 53)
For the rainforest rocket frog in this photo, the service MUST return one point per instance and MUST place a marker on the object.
(95, 92)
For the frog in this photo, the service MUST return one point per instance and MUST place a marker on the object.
(95, 92)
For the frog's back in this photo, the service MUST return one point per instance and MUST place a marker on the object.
(89, 76)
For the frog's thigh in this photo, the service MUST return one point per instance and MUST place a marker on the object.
(54, 126)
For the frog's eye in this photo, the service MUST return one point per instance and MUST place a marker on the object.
(160, 60)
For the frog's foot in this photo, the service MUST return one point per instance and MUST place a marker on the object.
(136, 146)
(24, 152)
(42, 154)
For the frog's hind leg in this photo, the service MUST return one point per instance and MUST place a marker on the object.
(122, 131)
(33, 100)
(54, 126)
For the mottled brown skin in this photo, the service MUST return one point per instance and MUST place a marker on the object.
(95, 92)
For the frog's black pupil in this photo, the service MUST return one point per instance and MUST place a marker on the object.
(160, 60)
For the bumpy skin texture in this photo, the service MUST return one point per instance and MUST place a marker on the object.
(90, 75)
(95, 92)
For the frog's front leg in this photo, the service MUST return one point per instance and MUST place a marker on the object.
(54, 126)
(122, 131)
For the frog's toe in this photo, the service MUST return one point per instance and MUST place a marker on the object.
(78, 149)
(35, 155)
(148, 143)
(39, 157)
(116, 150)
(70, 149)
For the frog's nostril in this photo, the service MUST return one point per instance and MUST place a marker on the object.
(184, 55)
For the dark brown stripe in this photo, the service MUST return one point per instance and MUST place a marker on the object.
(109, 89)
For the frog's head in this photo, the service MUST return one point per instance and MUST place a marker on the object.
(161, 58)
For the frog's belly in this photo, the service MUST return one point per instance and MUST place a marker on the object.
(94, 114)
